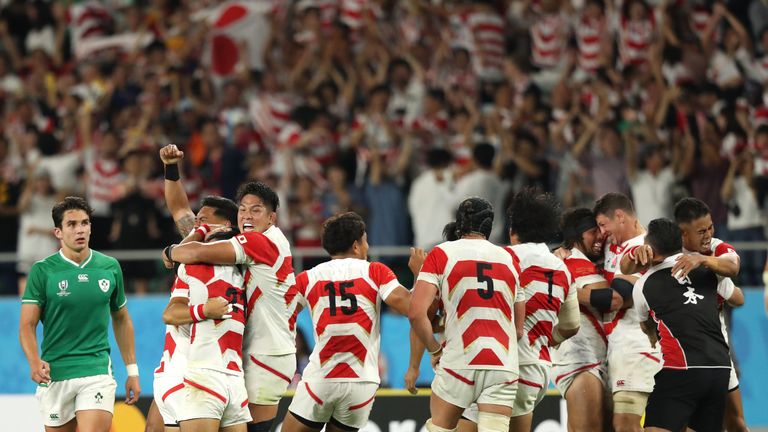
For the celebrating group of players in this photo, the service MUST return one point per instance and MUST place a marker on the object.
(498, 322)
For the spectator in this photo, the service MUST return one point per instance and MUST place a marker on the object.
(433, 190)
(482, 181)
(745, 220)
(651, 182)
(36, 240)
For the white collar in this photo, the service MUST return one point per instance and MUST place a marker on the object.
(87, 260)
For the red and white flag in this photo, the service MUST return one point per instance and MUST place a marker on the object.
(234, 24)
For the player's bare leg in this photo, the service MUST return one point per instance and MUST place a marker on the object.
(240, 427)
(585, 404)
(70, 426)
(155, 421)
(623, 422)
(93, 420)
(521, 423)
(733, 421)
(466, 426)
(445, 415)
(200, 425)
(263, 416)
(628, 409)
(330, 427)
(655, 429)
(292, 424)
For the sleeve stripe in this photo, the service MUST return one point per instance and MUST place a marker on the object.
(122, 305)
(29, 301)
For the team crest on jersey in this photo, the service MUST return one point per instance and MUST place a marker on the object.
(104, 284)
(82, 277)
(63, 285)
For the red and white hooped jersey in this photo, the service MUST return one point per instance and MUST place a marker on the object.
(546, 282)
(176, 345)
(635, 39)
(478, 285)
(344, 299)
(215, 344)
(549, 39)
(590, 344)
(272, 307)
(590, 35)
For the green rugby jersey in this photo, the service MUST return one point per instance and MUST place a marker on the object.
(75, 303)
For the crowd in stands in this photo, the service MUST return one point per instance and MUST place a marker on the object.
(395, 109)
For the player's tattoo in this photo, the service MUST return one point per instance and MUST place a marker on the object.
(185, 224)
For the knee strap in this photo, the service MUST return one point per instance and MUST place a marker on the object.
(492, 422)
(629, 402)
(432, 428)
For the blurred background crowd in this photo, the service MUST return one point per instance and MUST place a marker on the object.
(395, 109)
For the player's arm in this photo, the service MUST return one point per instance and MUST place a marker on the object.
(649, 328)
(399, 300)
(40, 371)
(726, 265)
(636, 259)
(414, 361)
(178, 311)
(568, 319)
(737, 298)
(421, 300)
(175, 195)
(647, 324)
(220, 252)
(123, 328)
(624, 286)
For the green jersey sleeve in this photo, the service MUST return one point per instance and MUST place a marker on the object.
(34, 293)
(118, 300)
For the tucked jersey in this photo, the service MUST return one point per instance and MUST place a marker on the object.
(176, 345)
(215, 344)
(546, 283)
(686, 313)
(591, 341)
(344, 299)
(477, 283)
(272, 307)
(75, 303)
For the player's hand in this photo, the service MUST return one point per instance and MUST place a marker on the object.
(616, 302)
(215, 229)
(643, 255)
(435, 359)
(416, 260)
(217, 308)
(562, 253)
(41, 372)
(166, 262)
(132, 390)
(685, 264)
(411, 375)
(170, 154)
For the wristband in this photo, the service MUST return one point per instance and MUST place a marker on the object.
(172, 172)
(623, 287)
(196, 312)
(600, 299)
(132, 369)
(436, 351)
(203, 230)
(167, 253)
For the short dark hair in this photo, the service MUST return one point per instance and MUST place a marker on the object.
(222, 207)
(534, 216)
(483, 155)
(340, 232)
(664, 237)
(69, 203)
(474, 215)
(439, 158)
(612, 201)
(688, 210)
(261, 190)
(449, 231)
(575, 222)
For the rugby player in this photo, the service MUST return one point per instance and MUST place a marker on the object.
(344, 297)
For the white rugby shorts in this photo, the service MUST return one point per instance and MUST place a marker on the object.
(214, 395)
(348, 403)
(168, 389)
(463, 387)
(563, 375)
(60, 400)
(632, 371)
(531, 388)
(267, 377)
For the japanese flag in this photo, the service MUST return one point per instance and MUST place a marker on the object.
(235, 24)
